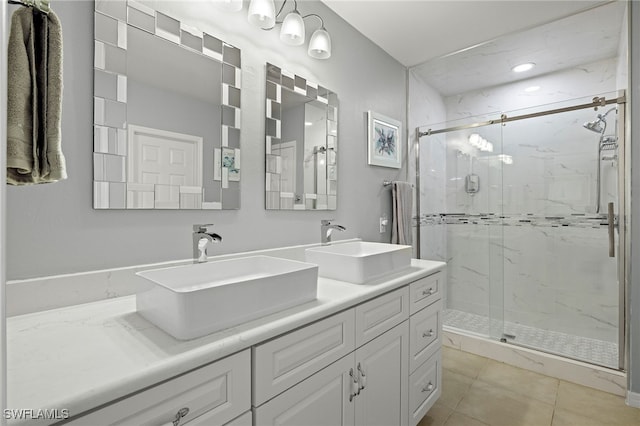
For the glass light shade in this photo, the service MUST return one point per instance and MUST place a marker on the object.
(292, 31)
(262, 13)
(320, 44)
(228, 5)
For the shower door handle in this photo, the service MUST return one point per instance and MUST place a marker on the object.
(611, 227)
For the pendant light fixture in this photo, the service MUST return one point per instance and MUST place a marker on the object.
(262, 14)
(292, 31)
(320, 44)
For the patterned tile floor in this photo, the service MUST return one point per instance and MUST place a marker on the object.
(581, 348)
(478, 391)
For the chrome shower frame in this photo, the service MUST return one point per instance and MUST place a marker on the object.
(619, 220)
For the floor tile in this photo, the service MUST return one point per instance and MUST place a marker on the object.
(501, 407)
(607, 408)
(436, 416)
(562, 417)
(518, 380)
(457, 419)
(454, 387)
(462, 362)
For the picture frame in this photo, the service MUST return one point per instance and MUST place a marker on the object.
(384, 141)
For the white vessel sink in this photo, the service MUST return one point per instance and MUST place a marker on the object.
(359, 261)
(193, 300)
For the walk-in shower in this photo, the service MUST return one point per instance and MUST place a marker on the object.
(527, 227)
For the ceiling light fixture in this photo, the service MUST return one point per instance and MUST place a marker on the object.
(523, 67)
(262, 14)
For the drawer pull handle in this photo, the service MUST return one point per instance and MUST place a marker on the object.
(354, 385)
(429, 333)
(428, 388)
(179, 415)
(428, 292)
(362, 378)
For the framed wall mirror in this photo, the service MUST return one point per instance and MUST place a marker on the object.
(166, 113)
(301, 136)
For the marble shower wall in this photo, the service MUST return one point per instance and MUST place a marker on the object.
(539, 273)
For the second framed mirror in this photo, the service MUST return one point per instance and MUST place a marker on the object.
(301, 136)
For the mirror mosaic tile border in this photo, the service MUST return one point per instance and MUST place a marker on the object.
(111, 190)
(277, 79)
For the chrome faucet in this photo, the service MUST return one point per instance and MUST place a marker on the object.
(201, 240)
(326, 229)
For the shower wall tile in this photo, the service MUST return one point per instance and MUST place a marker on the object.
(555, 278)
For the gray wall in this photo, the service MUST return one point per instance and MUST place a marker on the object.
(52, 229)
(634, 286)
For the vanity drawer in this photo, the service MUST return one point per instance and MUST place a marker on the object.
(425, 291)
(220, 390)
(284, 361)
(425, 334)
(205, 420)
(425, 387)
(381, 314)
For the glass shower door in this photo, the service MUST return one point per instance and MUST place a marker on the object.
(461, 180)
(561, 292)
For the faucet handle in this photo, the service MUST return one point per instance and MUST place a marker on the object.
(326, 222)
(202, 228)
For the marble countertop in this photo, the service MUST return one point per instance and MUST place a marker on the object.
(81, 357)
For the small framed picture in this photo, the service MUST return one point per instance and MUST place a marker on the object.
(385, 135)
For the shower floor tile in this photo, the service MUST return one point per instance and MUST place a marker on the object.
(581, 348)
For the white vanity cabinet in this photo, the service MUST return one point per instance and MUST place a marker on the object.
(214, 394)
(368, 386)
(377, 362)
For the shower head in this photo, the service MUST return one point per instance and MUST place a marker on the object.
(600, 124)
(594, 126)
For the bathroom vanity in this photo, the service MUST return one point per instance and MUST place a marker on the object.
(359, 354)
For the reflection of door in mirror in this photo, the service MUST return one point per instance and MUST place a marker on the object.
(287, 151)
(160, 160)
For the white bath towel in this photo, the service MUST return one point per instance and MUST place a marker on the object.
(34, 99)
(401, 226)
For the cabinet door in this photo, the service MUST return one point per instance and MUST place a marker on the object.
(383, 371)
(322, 399)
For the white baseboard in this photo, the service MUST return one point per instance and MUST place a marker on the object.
(633, 399)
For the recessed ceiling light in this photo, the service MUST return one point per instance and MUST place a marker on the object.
(532, 89)
(523, 67)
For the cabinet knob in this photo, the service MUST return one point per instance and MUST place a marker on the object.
(428, 292)
(429, 333)
(428, 388)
